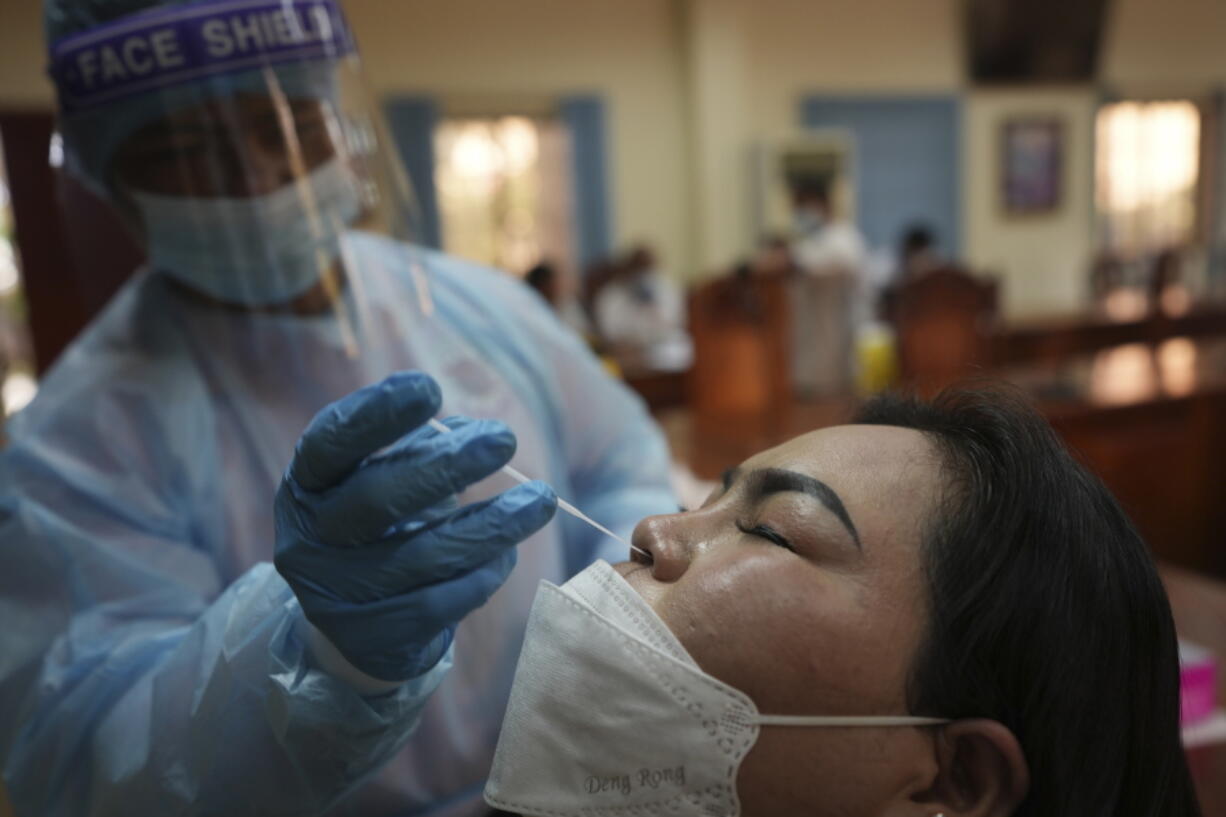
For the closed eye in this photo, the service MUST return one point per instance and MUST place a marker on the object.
(768, 533)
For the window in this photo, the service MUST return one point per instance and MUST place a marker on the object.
(1148, 159)
(504, 190)
(17, 383)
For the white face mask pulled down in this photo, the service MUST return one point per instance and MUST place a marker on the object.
(609, 715)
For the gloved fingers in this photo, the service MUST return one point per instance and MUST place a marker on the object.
(476, 533)
(397, 621)
(416, 558)
(453, 422)
(467, 538)
(406, 660)
(398, 633)
(347, 431)
(450, 601)
(405, 483)
(363, 638)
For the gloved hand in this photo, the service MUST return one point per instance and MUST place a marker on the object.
(382, 559)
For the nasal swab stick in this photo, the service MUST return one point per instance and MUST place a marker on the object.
(562, 503)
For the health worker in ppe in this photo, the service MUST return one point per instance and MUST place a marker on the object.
(932, 611)
(153, 661)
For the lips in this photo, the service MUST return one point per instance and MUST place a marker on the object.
(627, 569)
(638, 576)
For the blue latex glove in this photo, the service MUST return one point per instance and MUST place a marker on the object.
(381, 558)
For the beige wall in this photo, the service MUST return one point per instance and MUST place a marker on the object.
(847, 46)
(536, 49)
(23, 55)
(1042, 260)
(692, 85)
(752, 63)
(720, 126)
(1165, 46)
(528, 50)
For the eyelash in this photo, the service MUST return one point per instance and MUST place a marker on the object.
(763, 531)
(768, 533)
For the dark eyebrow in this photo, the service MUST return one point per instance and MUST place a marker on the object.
(767, 481)
(729, 476)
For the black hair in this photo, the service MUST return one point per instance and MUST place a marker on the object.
(1046, 612)
(540, 275)
(917, 237)
(810, 188)
(542, 278)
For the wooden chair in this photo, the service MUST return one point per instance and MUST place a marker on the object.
(742, 336)
(942, 321)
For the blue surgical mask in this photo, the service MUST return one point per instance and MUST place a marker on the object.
(258, 250)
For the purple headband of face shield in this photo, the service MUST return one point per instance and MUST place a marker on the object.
(178, 44)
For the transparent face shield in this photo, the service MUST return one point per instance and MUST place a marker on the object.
(237, 140)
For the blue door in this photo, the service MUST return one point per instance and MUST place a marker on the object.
(907, 168)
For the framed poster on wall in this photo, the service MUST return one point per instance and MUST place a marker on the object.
(1032, 165)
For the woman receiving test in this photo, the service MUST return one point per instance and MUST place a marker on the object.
(933, 611)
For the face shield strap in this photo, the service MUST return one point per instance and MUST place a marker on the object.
(171, 46)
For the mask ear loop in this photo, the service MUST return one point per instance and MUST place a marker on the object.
(840, 720)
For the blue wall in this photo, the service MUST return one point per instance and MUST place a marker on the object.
(907, 167)
(586, 118)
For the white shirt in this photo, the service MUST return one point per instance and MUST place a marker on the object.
(640, 311)
(836, 246)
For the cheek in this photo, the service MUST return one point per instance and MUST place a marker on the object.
(828, 771)
(796, 638)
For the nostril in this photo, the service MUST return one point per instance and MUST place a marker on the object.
(642, 542)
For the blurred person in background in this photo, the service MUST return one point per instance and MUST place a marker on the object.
(559, 291)
(916, 255)
(153, 661)
(641, 311)
(639, 305)
(821, 243)
(831, 297)
(917, 252)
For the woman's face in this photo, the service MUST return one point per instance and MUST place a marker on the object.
(800, 583)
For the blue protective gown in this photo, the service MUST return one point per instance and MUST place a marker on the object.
(151, 659)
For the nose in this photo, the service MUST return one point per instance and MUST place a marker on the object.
(265, 166)
(670, 541)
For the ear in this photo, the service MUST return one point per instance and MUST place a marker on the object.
(981, 771)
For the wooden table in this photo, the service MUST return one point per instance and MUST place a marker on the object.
(1081, 333)
(1150, 419)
